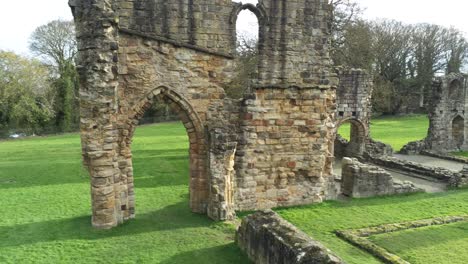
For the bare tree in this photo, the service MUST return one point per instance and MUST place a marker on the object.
(344, 13)
(456, 51)
(55, 43)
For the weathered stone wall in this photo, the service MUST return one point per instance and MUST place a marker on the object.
(377, 148)
(201, 23)
(353, 105)
(273, 148)
(448, 129)
(362, 180)
(294, 44)
(341, 145)
(285, 155)
(97, 37)
(267, 238)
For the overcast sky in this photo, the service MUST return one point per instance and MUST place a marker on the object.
(18, 18)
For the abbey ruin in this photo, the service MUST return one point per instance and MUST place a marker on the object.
(447, 115)
(275, 147)
(448, 125)
(272, 148)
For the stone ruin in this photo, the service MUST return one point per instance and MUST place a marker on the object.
(448, 124)
(448, 129)
(354, 94)
(362, 180)
(272, 148)
(268, 238)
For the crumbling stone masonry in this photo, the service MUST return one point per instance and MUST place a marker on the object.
(353, 102)
(272, 148)
(448, 129)
(363, 180)
(448, 124)
(267, 238)
(451, 178)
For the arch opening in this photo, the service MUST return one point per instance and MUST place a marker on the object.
(247, 26)
(458, 131)
(350, 138)
(166, 165)
(246, 18)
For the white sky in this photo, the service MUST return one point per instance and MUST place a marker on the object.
(19, 18)
(447, 12)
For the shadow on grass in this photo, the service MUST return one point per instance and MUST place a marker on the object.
(153, 168)
(25, 174)
(171, 217)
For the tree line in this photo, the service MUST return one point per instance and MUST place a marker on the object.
(403, 58)
(40, 95)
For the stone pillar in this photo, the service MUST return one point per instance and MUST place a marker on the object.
(97, 36)
(222, 154)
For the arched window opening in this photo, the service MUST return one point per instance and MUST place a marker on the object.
(247, 38)
(349, 141)
(247, 30)
(458, 131)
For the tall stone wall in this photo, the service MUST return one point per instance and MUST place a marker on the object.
(448, 127)
(201, 23)
(285, 155)
(353, 105)
(272, 148)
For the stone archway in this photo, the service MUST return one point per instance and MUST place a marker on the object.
(199, 184)
(458, 131)
(284, 125)
(357, 142)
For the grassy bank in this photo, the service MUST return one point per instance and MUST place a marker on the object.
(418, 246)
(46, 206)
(321, 220)
(45, 215)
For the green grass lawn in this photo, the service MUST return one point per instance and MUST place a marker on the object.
(439, 244)
(396, 131)
(45, 213)
(321, 220)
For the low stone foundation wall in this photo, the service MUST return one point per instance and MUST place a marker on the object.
(414, 168)
(413, 148)
(444, 156)
(452, 178)
(359, 237)
(269, 239)
(377, 148)
(362, 180)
